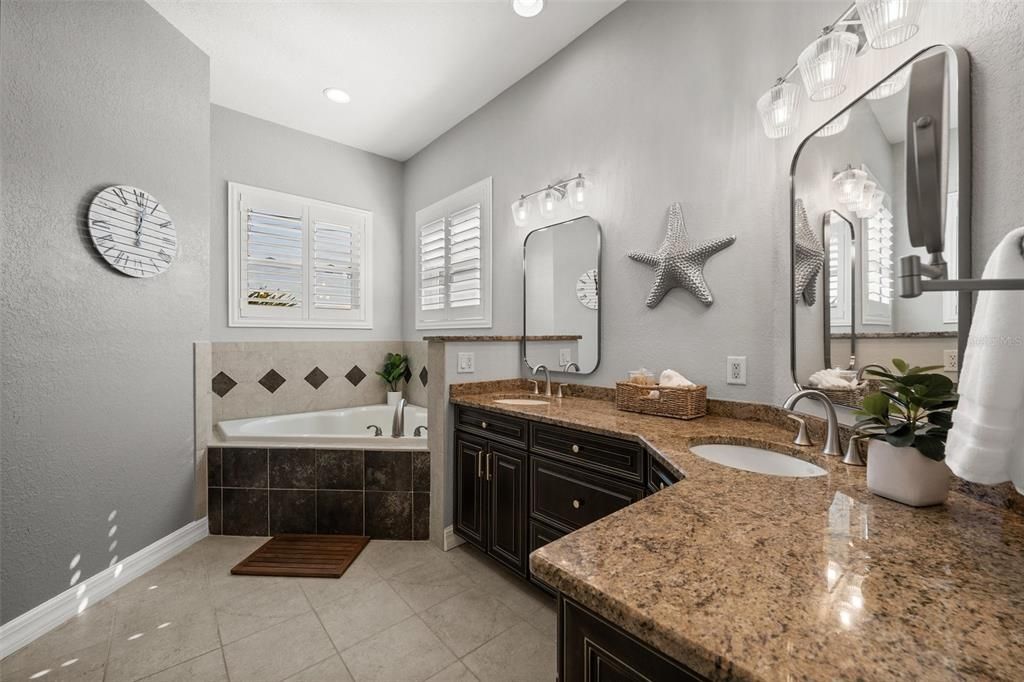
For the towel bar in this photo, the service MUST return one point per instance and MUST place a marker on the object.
(913, 284)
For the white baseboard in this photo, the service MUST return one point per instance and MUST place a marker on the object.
(28, 626)
(451, 540)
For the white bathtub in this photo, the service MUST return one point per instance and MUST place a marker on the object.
(342, 428)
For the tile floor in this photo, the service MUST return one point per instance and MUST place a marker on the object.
(403, 611)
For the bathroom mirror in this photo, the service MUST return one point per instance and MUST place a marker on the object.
(562, 296)
(853, 214)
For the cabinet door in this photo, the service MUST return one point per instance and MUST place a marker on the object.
(470, 489)
(506, 529)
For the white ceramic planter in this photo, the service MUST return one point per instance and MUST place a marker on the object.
(394, 397)
(905, 475)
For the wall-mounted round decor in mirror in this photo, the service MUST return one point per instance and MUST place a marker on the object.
(132, 231)
(586, 289)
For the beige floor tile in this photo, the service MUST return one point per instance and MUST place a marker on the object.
(206, 668)
(86, 665)
(258, 609)
(430, 583)
(354, 618)
(331, 670)
(85, 630)
(520, 596)
(456, 672)
(148, 638)
(322, 591)
(545, 619)
(521, 653)
(469, 620)
(279, 651)
(406, 652)
(390, 558)
(186, 567)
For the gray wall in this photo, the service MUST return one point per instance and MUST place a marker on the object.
(97, 367)
(256, 152)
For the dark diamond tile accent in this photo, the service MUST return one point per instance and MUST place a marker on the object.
(355, 375)
(389, 470)
(292, 468)
(423, 376)
(292, 511)
(421, 516)
(408, 374)
(244, 467)
(222, 384)
(316, 378)
(272, 381)
(339, 469)
(389, 515)
(339, 512)
(213, 467)
(214, 509)
(421, 471)
(245, 512)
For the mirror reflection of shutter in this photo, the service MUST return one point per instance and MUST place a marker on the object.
(465, 290)
(432, 267)
(337, 262)
(273, 260)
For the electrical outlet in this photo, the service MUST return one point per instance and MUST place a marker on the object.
(736, 370)
(950, 361)
(467, 363)
(564, 356)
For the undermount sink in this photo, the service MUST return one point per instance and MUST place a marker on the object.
(757, 460)
(520, 401)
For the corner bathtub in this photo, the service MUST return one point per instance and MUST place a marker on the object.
(342, 428)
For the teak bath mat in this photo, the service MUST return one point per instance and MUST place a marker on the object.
(303, 556)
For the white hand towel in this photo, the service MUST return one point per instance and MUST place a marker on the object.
(673, 379)
(986, 443)
(829, 378)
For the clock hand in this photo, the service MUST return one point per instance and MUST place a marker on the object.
(138, 231)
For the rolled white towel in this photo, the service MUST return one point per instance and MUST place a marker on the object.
(673, 379)
(830, 378)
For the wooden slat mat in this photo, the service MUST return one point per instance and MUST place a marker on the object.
(303, 556)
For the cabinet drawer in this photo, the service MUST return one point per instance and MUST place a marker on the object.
(491, 424)
(659, 476)
(568, 498)
(600, 453)
(540, 535)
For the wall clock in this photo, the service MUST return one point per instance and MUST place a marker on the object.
(586, 289)
(132, 231)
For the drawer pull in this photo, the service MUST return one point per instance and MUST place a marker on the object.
(483, 425)
(575, 448)
(576, 504)
(480, 465)
(488, 466)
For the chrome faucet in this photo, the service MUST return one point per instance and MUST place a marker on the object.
(547, 378)
(860, 372)
(377, 433)
(832, 445)
(418, 431)
(398, 423)
(569, 366)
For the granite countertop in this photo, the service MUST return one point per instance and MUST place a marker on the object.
(752, 577)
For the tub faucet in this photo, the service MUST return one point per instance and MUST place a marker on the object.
(547, 378)
(418, 431)
(377, 432)
(398, 423)
(832, 445)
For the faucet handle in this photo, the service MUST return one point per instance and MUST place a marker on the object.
(852, 456)
(536, 386)
(802, 438)
(377, 431)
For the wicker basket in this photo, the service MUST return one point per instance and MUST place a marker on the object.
(688, 402)
(851, 397)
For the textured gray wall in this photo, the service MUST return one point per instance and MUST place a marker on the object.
(97, 367)
(657, 103)
(256, 152)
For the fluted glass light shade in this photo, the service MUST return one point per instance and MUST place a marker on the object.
(825, 63)
(849, 186)
(889, 22)
(835, 126)
(890, 86)
(871, 203)
(577, 193)
(779, 109)
(521, 211)
(548, 201)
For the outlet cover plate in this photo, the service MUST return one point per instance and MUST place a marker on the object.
(736, 370)
(467, 363)
(950, 361)
(564, 356)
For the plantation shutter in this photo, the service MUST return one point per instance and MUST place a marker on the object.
(432, 267)
(464, 261)
(273, 258)
(337, 265)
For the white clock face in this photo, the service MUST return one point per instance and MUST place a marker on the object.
(586, 289)
(132, 231)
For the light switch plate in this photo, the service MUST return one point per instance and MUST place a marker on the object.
(736, 370)
(564, 356)
(467, 363)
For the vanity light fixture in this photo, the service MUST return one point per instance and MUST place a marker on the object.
(527, 8)
(780, 109)
(889, 22)
(825, 63)
(890, 86)
(835, 126)
(337, 95)
(849, 186)
(548, 198)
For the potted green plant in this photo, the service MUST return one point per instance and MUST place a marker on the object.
(907, 422)
(393, 372)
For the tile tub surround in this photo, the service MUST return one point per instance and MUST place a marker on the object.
(384, 494)
(745, 576)
(259, 379)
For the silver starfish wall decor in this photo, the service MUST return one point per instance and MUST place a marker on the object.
(679, 262)
(808, 257)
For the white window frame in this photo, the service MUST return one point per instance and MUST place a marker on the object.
(479, 192)
(307, 319)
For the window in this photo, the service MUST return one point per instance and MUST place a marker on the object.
(297, 262)
(453, 260)
(878, 270)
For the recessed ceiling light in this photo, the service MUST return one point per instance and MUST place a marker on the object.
(337, 95)
(527, 8)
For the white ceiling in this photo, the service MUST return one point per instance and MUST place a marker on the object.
(414, 68)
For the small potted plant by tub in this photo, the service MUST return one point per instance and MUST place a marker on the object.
(907, 422)
(392, 373)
